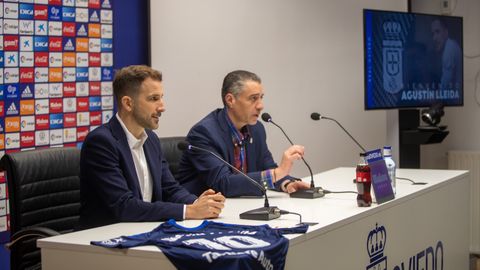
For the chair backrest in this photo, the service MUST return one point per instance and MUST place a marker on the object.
(171, 152)
(44, 191)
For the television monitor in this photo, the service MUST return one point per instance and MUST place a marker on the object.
(412, 60)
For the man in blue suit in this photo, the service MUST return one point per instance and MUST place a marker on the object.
(235, 134)
(124, 176)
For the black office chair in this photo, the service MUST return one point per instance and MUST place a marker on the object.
(44, 192)
(172, 153)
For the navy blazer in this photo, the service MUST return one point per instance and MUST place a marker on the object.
(199, 170)
(109, 187)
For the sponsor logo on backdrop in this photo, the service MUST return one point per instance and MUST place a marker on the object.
(82, 89)
(26, 44)
(82, 29)
(41, 90)
(41, 59)
(10, 43)
(106, 116)
(55, 44)
(40, 44)
(56, 105)
(106, 45)
(95, 103)
(82, 75)
(94, 3)
(27, 123)
(83, 118)
(69, 89)
(26, 27)
(25, 11)
(41, 74)
(55, 59)
(42, 137)
(11, 91)
(55, 74)
(106, 4)
(54, 28)
(81, 14)
(94, 89)
(94, 59)
(69, 3)
(95, 118)
(82, 44)
(26, 91)
(81, 3)
(55, 13)
(69, 119)
(56, 120)
(68, 29)
(70, 104)
(10, 26)
(26, 59)
(26, 75)
(69, 59)
(12, 140)
(27, 139)
(56, 136)
(94, 74)
(11, 59)
(12, 107)
(94, 45)
(69, 135)
(106, 16)
(27, 107)
(55, 90)
(106, 31)
(94, 15)
(107, 59)
(40, 12)
(41, 28)
(10, 11)
(68, 14)
(82, 104)
(81, 133)
(82, 59)
(12, 124)
(41, 106)
(10, 75)
(42, 122)
(69, 74)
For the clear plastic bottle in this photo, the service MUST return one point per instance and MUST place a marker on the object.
(364, 182)
(391, 167)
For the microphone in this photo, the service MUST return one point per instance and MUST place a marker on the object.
(311, 193)
(266, 212)
(316, 116)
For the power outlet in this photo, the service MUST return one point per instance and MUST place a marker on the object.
(446, 7)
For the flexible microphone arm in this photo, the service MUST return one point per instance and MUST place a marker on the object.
(185, 145)
(316, 116)
(267, 118)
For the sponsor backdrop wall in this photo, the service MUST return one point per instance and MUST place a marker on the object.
(56, 71)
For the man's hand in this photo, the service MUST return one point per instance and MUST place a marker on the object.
(295, 186)
(294, 152)
(208, 205)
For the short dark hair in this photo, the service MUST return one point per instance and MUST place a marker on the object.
(234, 82)
(128, 80)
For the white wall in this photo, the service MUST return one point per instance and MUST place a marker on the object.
(463, 122)
(308, 53)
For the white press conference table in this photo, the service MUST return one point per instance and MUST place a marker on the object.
(425, 227)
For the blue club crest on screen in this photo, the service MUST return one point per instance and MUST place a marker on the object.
(25, 12)
(376, 241)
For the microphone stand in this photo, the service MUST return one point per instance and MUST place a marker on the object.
(266, 212)
(311, 193)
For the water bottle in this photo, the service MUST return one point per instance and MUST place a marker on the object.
(387, 156)
(364, 182)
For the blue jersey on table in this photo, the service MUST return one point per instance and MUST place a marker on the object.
(214, 245)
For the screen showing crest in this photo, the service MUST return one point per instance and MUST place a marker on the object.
(412, 60)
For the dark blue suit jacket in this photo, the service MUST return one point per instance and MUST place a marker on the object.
(109, 185)
(199, 170)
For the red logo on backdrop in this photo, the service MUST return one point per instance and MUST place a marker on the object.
(82, 104)
(70, 120)
(55, 2)
(82, 133)
(26, 75)
(95, 89)
(94, 59)
(69, 89)
(95, 118)
(41, 59)
(56, 105)
(68, 29)
(94, 3)
(40, 12)
(42, 122)
(10, 43)
(55, 44)
(2, 105)
(27, 139)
